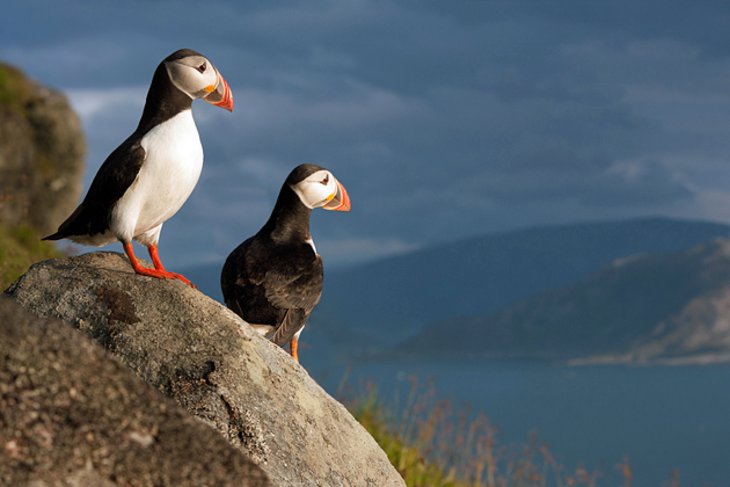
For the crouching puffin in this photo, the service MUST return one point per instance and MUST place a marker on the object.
(149, 176)
(273, 280)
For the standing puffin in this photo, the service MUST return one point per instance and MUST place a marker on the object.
(273, 280)
(149, 176)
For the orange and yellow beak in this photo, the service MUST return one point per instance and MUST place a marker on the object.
(220, 95)
(339, 201)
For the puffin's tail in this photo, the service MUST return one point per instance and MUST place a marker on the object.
(67, 228)
(55, 236)
(293, 322)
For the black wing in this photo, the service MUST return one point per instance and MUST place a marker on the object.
(118, 172)
(276, 286)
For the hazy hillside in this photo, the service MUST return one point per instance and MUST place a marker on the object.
(41, 166)
(387, 300)
(41, 153)
(486, 273)
(670, 307)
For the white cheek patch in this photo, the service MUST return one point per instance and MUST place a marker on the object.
(312, 192)
(176, 73)
(191, 81)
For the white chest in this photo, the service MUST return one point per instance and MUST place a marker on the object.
(311, 243)
(173, 162)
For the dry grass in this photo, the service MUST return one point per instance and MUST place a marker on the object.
(432, 443)
(15, 90)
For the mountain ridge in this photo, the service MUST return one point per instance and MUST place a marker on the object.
(371, 307)
(399, 295)
(671, 308)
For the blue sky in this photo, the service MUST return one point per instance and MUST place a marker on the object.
(442, 119)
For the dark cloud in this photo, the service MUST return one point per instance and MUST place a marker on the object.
(443, 119)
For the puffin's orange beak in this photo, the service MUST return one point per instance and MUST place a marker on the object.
(221, 96)
(340, 200)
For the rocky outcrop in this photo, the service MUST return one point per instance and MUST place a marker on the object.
(71, 415)
(213, 364)
(41, 153)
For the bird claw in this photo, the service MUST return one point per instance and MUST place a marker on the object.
(180, 277)
(163, 274)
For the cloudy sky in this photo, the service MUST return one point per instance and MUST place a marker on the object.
(443, 119)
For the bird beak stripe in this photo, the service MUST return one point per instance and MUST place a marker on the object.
(339, 201)
(221, 95)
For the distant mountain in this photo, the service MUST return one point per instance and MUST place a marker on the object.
(391, 298)
(671, 308)
(380, 303)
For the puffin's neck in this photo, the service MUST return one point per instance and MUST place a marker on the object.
(289, 221)
(164, 101)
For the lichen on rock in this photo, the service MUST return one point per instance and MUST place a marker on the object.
(213, 364)
(71, 415)
(42, 152)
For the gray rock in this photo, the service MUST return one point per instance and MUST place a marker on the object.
(42, 152)
(72, 415)
(212, 363)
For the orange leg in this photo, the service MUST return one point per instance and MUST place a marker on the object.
(139, 269)
(152, 249)
(294, 348)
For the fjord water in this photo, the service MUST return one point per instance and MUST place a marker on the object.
(661, 418)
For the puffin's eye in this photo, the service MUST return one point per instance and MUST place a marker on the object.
(325, 180)
(202, 67)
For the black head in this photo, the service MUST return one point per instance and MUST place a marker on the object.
(317, 187)
(193, 74)
(181, 53)
(301, 172)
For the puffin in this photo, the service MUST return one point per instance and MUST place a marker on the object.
(146, 180)
(273, 280)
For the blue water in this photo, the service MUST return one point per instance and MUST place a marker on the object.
(661, 418)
